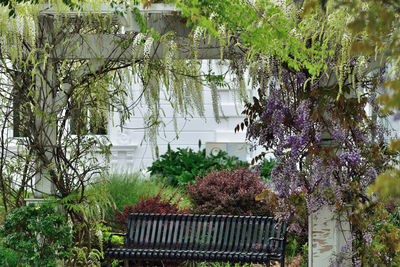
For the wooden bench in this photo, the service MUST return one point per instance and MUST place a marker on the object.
(218, 238)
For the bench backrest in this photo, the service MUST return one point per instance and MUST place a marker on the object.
(205, 233)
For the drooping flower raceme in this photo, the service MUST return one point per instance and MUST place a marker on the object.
(328, 149)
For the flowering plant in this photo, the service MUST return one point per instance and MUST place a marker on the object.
(328, 148)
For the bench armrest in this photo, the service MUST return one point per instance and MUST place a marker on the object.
(277, 238)
(110, 237)
(280, 239)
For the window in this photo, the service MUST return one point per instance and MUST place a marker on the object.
(89, 118)
(21, 117)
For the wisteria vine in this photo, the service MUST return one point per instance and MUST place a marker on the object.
(329, 149)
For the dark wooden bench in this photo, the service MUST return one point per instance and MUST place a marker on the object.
(216, 238)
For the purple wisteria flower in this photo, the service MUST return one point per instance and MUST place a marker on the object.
(350, 158)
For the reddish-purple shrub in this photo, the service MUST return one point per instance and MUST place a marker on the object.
(153, 204)
(231, 192)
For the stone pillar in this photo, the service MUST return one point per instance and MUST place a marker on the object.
(327, 235)
(45, 121)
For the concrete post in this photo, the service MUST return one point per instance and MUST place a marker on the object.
(45, 121)
(327, 235)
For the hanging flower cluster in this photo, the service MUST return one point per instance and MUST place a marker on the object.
(328, 149)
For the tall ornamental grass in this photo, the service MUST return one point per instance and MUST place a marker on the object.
(127, 189)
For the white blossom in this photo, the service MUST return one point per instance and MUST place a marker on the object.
(147, 47)
(198, 32)
(171, 54)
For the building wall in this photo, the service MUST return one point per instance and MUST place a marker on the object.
(132, 152)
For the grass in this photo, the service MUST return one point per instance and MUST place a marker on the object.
(128, 188)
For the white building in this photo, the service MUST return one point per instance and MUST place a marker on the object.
(131, 151)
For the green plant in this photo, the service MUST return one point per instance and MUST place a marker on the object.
(38, 234)
(180, 167)
(297, 249)
(265, 168)
(8, 257)
(125, 189)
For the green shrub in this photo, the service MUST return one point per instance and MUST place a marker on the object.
(265, 168)
(8, 257)
(180, 167)
(39, 234)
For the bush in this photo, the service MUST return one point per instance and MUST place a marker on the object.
(231, 192)
(265, 168)
(8, 257)
(39, 234)
(127, 189)
(182, 166)
(154, 204)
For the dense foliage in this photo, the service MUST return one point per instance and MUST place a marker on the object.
(324, 130)
(123, 189)
(228, 191)
(180, 167)
(8, 256)
(39, 234)
(317, 64)
(58, 90)
(265, 168)
(149, 204)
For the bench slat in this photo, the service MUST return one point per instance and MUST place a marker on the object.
(203, 233)
(177, 228)
(267, 235)
(171, 229)
(164, 232)
(136, 231)
(238, 231)
(245, 224)
(142, 232)
(217, 233)
(210, 233)
(260, 236)
(153, 233)
(192, 240)
(158, 243)
(198, 231)
(187, 232)
(232, 233)
(130, 227)
(249, 234)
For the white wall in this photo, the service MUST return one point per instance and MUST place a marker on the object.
(130, 153)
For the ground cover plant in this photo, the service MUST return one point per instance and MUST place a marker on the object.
(39, 235)
(180, 167)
